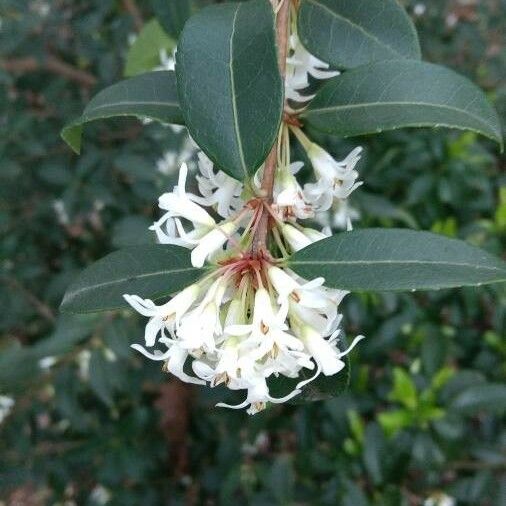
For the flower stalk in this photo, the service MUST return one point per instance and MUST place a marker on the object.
(259, 245)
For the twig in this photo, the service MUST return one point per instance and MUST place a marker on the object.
(260, 238)
(43, 309)
(131, 7)
(51, 64)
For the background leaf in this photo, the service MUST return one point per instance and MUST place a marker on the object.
(395, 259)
(172, 15)
(150, 271)
(152, 95)
(323, 387)
(144, 53)
(489, 397)
(348, 34)
(229, 84)
(397, 94)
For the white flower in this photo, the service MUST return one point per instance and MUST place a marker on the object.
(324, 351)
(6, 405)
(299, 65)
(218, 189)
(257, 398)
(165, 316)
(174, 358)
(268, 331)
(288, 196)
(179, 203)
(300, 238)
(336, 180)
(199, 327)
(212, 242)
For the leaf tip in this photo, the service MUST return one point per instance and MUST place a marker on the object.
(72, 135)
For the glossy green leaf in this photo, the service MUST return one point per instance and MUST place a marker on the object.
(144, 54)
(150, 271)
(229, 84)
(348, 34)
(152, 95)
(395, 259)
(397, 94)
(172, 15)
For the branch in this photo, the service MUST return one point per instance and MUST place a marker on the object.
(51, 64)
(131, 7)
(260, 238)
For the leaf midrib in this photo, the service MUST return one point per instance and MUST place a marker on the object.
(234, 96)
(358, 27)
(79, 291)
(387, 104)
(396, 262)
(137, 102)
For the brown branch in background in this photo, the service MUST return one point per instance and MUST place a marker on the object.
(51, 64)
(131, 7)
(259, 241)
(43, 309)
(174, 404)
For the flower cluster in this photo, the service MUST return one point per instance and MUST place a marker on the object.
(250, 319)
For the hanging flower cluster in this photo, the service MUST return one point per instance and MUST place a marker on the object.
(251, 318)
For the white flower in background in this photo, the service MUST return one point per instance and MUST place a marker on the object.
(61, 212)
(6, 405)
(299, 66)
(167, 62)
(440, 499)
(47, 362)
(83, 362)
(100, 495)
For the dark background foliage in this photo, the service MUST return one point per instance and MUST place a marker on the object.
(425, 410)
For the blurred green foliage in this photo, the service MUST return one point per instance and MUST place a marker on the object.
(94, 423)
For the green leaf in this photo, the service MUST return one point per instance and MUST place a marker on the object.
(487, 397)
(152, 95)
(395, 259)
(229, 84)
(404, 390)
(150, 271)
(348, 34)
(397, 94)
(172, 15)
(144, 53)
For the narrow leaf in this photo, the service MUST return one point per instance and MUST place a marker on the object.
(348, 34)
(395, 259)
(229, 84)
(150, 271)
(397, 94)
(152, 95)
